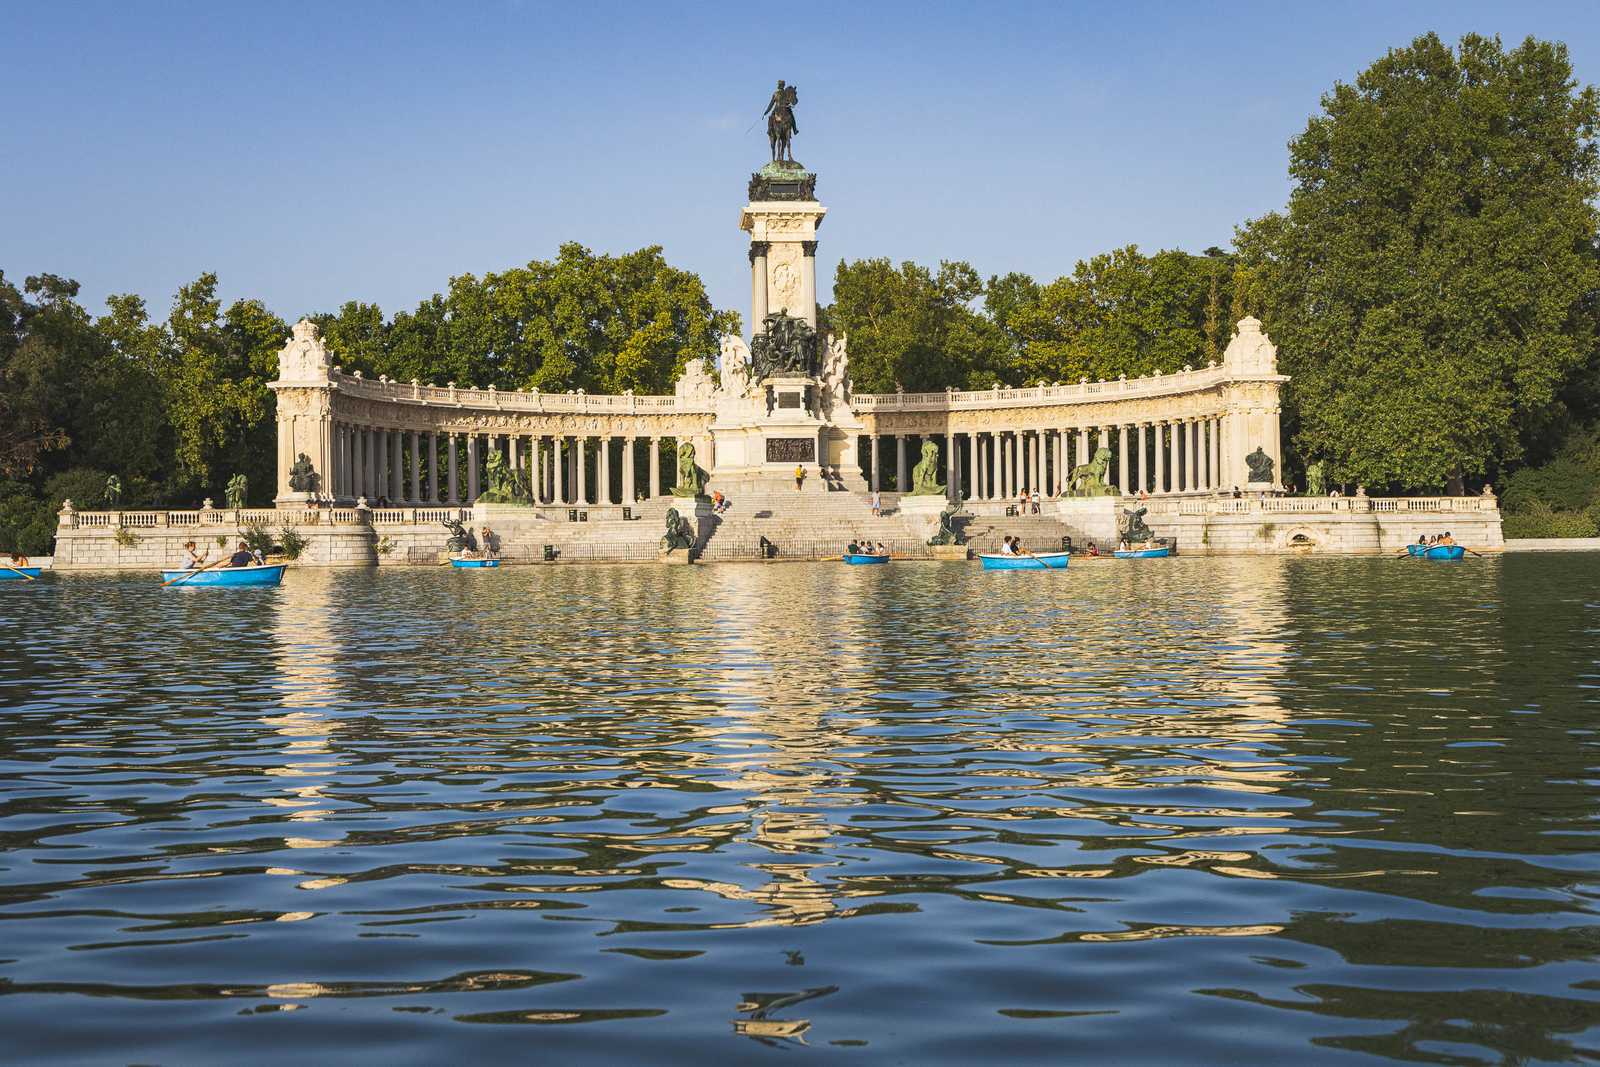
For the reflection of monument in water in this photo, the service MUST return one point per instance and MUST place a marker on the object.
(775, 734)
(307, 685)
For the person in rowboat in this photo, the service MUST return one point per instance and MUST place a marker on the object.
(197, 557)
(18, 559)
(242, 557)
(1005, 547)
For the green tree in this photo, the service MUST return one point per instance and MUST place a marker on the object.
(1432, 283)
(1118, 313)
(915, 329)
(217, 397)
(581, 321)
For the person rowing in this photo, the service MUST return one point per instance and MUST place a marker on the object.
(242, 557)
(196, 556)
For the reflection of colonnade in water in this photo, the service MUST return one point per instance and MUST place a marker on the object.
(307, 681)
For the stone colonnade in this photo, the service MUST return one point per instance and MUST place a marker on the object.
(1193, 431)
(1160, 456)
(411, 468)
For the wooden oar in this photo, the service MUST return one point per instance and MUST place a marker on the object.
(25, 574)
(1480, 555)
(191, 573)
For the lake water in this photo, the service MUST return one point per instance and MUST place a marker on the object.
(1196, 810)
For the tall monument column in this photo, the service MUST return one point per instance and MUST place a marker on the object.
(782, 218)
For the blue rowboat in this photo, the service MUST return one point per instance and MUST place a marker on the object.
(1039, 561)
(475, 564)
(9, 573)
(1142, 553)
(861, 559)
(1437, 551)
(256, 574)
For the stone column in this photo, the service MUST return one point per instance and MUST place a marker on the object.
(899, 462)
(986, 464)
(1082, 435)
(629, 484)
(558, 456)
(339, 467)
(1019, 464)
(583, 468)
(416, 468)
(873, 462)
(952, 468)
(1122, 458)
(1014, 464)
(655, 468)
(450, 462)
(1216, 455)
(758, 286)
(1183, 462)
(808, 282)
(1196, 462)
(472, 468)
(433, 467)
(1161, 457)
(1144, 460)
(397, 484)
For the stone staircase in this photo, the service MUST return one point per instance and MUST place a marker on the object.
(804, 525)
(766, 523)
(1039, 533)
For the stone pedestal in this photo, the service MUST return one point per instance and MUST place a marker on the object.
(783, 243)
(676, 557)
(949, 553)
(922, 513)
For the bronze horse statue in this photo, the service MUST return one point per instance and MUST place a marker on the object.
(781, 126)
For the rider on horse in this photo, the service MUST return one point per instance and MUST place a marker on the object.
(780, 120)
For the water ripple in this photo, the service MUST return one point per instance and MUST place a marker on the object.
(1203, 811)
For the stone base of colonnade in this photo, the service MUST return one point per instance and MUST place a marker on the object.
(142, 548)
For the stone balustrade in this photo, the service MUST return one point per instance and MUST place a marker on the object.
(240, 517)
(1155, 385)
(533, 401)
(1317, 505)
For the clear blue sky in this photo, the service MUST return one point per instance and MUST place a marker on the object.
(321, 152)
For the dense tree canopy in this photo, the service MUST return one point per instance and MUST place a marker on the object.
(582, 321)
(1121, 312)
(1432, 284)
(174, 408)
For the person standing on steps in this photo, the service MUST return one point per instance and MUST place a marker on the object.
(799, 477)
(877, 504)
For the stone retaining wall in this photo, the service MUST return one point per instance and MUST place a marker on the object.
(1347, 533)
(1553, 544)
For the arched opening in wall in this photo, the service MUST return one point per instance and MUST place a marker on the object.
(1301, 541)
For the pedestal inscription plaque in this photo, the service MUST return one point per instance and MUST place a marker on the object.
(791, 450)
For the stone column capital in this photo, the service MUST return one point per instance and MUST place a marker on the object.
(808, 248)
(759, 249)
